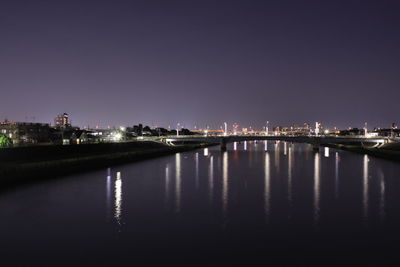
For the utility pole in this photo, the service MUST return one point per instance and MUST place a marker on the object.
(365, 129)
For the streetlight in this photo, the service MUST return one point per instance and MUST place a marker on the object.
(365, 129)
(317, 124)
(177, 129)
(226, 129)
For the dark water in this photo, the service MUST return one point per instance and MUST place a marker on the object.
(256, 204)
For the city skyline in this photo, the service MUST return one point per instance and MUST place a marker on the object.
(201, 63)
(193, 126)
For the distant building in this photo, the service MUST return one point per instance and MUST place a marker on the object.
(352, 132)
(62, 121)
(26, 132)
(75, 136)
(388, 132)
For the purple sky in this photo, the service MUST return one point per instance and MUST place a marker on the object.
(201, 62)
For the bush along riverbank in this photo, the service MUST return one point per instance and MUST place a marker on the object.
(32, 164)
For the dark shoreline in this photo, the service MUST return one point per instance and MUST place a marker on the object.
(393, 155)
(15, 174)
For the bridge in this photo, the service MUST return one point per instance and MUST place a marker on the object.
(316, 141)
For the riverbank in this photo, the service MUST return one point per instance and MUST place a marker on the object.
(32, 164)
(389, 154)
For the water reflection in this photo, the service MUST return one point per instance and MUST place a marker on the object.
(206, 152)
(225, 183)
(211, 178)
(267, 185)
(108, 193)
(365, 187)
(317, 178)
(235, 146)
(254, 200)
(285, 148)
(167, 183)
(277, 154)
(336, 174)
(326, 152)
(266, 145)
(245, 145)
(197, 169)
(178, 182)
(290, 170)
(118, 198)
(382, 196)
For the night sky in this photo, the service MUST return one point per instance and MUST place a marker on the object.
(201, 62)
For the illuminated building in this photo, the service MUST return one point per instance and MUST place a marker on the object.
(26, 132)
(62, 121)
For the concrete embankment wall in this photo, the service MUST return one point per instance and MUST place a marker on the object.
(37, 153)
(30, 164)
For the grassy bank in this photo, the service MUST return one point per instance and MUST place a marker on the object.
(30, 165)
(376, 152)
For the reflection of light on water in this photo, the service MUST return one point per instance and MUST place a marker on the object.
(277, 148)
(267, 185)
(245, 145)
(266, 145)
(211, 178)
(326, 150)
(234, 145)
(317, 177)
(197, 170)
(178, 182)
(206, 151)
(290, 169)
(225, 182)
(108, 193)
(118, 198)
(382, 197)
(336, 174)
(285, 148)
(365, 186)
(167, 183)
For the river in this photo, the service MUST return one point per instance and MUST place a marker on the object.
(258, 203)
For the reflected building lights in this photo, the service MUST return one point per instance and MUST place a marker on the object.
(277, 156)
(197, 169)
(167, 183)
(206, 152)
(336, 174)
(235, 146)
(382, 197)
(245, 145)
(317, 178)
(267, 186)
(225, 183)
(285, 148)
(266, 145)
(178, 182)
(290, 170)
(326, 152)
(211, 178)
(108, 193)
(118, 198)
(365, 186)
